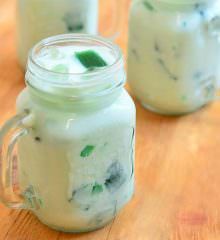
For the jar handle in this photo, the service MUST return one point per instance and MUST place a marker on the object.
(10, 133)
(117, 12)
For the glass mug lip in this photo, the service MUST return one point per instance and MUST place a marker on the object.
(37, 70)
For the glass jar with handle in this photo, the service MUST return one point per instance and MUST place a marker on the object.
(39, 19)
(75, 129)
(174, 53)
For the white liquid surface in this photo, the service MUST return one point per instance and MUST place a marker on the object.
(51, 58)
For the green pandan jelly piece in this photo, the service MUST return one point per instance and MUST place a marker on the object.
(72, 23)
(148, 6)
(97, 188)
(87, 151)
(90, 59)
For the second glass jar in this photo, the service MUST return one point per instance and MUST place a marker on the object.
(174, 54)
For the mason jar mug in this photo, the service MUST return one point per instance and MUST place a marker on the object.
(75, 132)
(174, 53)
(39, 19)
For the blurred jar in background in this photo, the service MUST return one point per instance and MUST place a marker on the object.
(174, 53)
(38, 19)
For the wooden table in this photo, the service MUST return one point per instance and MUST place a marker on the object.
(177, 168)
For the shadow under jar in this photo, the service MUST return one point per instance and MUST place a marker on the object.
(174, 53)
(75, 130)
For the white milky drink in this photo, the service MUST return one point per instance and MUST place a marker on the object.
(173, 54)
(76, 161)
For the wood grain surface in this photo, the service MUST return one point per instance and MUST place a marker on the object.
(177, 167)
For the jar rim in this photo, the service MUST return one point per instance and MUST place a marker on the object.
(36, 69)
